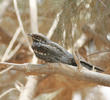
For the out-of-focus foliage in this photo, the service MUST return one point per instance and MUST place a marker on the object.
(90, 18)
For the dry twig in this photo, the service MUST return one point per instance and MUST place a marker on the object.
(28, 92)
(6, 92)
(31, 84)
(11, 44)
(20, 23)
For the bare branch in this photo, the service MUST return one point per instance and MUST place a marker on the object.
(30, 88)
(21, 24)
(34, 21)
(7, 69)
(53, 27)
(33, 16)
(63, 69)
(13, 52)
(6, 92)
(31, 84)
(11, 44)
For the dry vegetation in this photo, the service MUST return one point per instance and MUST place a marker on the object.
(77, 25)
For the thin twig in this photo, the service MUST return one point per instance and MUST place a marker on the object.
(11, 44)
(19, 86)
(6, 92)
(20, 24)
(7, 69)
(13, 52)
(102, 3)
(18, 17)
(51, 31)
(77, 59)
(98, 53)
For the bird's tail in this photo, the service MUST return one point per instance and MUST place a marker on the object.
(90, 67)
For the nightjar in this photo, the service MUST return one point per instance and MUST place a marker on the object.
(52, 52)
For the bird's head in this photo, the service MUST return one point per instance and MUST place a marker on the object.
(38, 37)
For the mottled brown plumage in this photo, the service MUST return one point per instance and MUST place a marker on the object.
(52, 52)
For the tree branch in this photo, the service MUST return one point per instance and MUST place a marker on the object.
(63, 69)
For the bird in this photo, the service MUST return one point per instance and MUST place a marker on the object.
(52, 52)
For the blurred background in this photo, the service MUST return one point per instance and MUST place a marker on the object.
(82, 25)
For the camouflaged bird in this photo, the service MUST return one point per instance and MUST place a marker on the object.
(52, 52)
